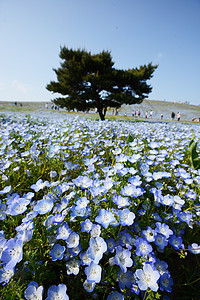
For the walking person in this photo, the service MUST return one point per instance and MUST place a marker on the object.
(178, 116)
(172, 115)
(151, 113)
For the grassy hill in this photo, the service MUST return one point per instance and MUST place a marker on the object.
(187, 111)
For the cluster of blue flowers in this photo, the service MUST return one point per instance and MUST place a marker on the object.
(109, 197)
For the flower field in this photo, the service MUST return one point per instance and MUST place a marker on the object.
(98, 210)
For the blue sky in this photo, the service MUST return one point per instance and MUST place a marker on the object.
(136, 32)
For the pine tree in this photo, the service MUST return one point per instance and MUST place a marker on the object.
(88, 81)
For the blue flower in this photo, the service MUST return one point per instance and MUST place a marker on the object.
(142, 247)
(39, 185)
(163, 229)
(126, 217)
(121, 201)
(63, 232)
(18, 207)
(123, 258)
(83, 181)
(93, 273)
(89, 287)
(105, 217)
(161, 241)
(44, 206)
(194, 248)
(6, 274)
(73, 240)
(57, 252)
(33, 291)
(73, 266)
(176, 242)
(115, 296)
(57, 292)
(111, 244)
(86, 226)
(96, 249)
(185, 216)
(132, 191)
(149, 234)
(166, 282)
(147, 278)
(125, 279)
(12, 254)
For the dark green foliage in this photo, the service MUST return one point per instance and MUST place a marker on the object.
(194, 158)
(90, 81)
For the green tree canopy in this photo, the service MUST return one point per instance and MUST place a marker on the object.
(88, 80)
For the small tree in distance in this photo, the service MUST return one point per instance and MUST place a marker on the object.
(88, 81)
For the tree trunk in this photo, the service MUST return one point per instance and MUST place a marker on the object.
(101, 114)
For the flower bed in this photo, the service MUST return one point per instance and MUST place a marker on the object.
(97, 210)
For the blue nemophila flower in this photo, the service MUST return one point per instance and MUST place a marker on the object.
(3, 209)
(115, 296)
(12, 254)
(191, 195)
(166, 282)
(105, 217)
(5, 190)
(33, 291)
(163, 229)
(185, 216)
(132, 191)
(89, 287)
(6, 274)
(18, 207)
(167, 200)
(53, 174)
(44, 206)
(135, 180)
(178, 203)
(30, 216)
(73, 266)
(125, 279)
(149, 234)
(126, 217)
(39, 185)
(176, 242)
(57, 292)
(85, 259)
(143, 248)
(75, 251)
(161, 241)
(86, 226)
(73, 240)
(161, 266)
(63, 232)
(194, 248)
(96, 249)
(121, 201)
(111, 244)
(57, 252)
(93, 273)
(147, 278)
(96, 230)
(83, 181)
(123, 258)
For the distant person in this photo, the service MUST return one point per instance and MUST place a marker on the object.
(178, 116)
(46, 105)
(116, 112)
(172, 115)
(161, 116)
(146, 114)
(151, 113)
(139, 113)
